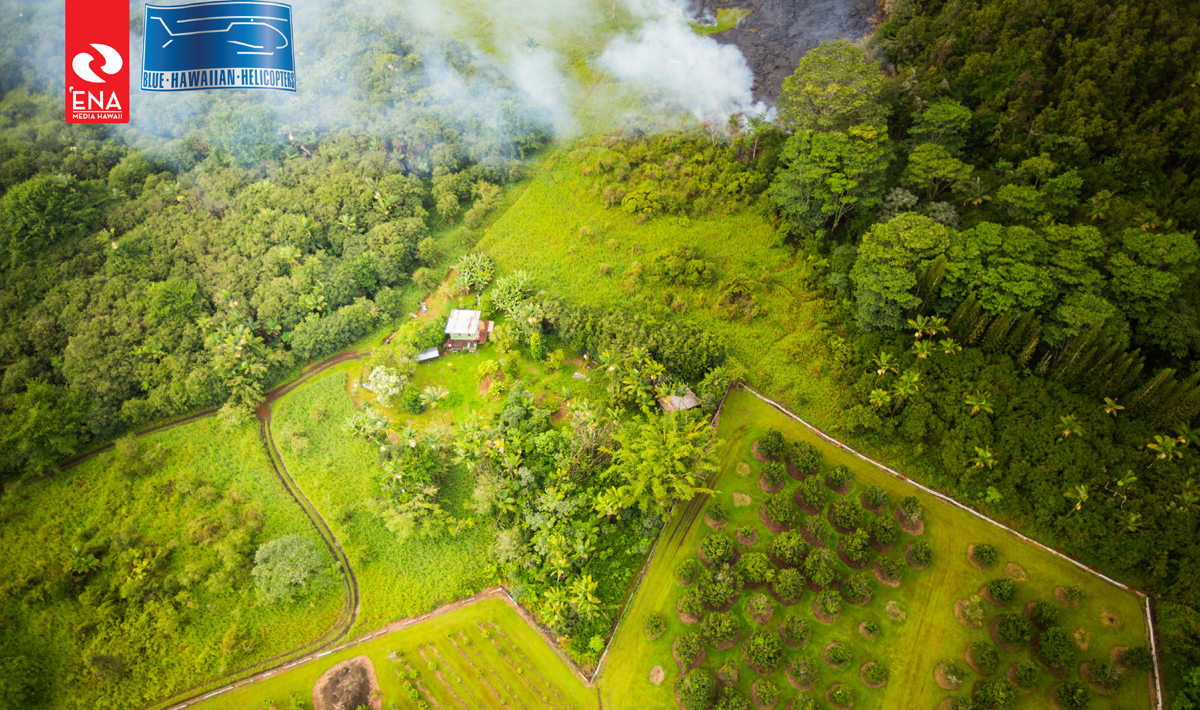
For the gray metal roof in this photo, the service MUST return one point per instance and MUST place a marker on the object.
(428, 354)
(463, 321)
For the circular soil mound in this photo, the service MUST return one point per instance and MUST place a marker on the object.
(829, 693)
(743, 469)
(741, 500)
(1108, 617)
(971, 558)
(348, 685)
(896, 611)
(939, 674)
(714, 524)
(657, 674)
(1015, 572)
(1082, 639)
(959, 606)
(1012, 678)
(862, 674)
(1060, 596)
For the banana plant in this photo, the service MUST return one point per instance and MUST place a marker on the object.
(1080, 495)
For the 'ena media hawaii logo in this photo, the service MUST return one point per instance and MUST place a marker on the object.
(97, 61)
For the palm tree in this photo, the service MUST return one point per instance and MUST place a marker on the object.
(1184, 434)
(880, 398)
(976, 193)
(949, 347)
(554, 606)
(1068, 425)
(610, 362)
(926, 325)
(1133, 522)
(1165, 448)
(922, 348)
(583, 596)
(1079, 494)
(1099, 205)
(1111, 406)
(979, 403)
(983, 458)
(883, 363)
(431, 395)
(1186, 499)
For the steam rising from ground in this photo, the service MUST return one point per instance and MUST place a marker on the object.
(708, 79)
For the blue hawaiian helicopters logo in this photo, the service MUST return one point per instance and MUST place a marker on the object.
(218, 45)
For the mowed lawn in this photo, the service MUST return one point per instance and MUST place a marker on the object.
(201, 513)
(910, 648)
(479, 656)
(340, 475)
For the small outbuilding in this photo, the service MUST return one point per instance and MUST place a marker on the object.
(465, 330)
(677, 403)
(428, 354)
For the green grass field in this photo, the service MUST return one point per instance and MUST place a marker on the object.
(479, 656)
(910, 649)
(339, 474)
(457, 372)
(201, 513)
(541, 233)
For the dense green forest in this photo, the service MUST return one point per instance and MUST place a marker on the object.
(996, 201)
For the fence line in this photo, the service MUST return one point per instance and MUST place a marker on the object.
(951, 501)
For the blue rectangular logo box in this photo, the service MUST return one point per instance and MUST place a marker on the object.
(218, 45)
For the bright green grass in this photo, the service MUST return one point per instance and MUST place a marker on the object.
(204, 468)
(539, 679)
(457, 372)
(911, 649)
(339, 474)
(786, 349)
(727, 19)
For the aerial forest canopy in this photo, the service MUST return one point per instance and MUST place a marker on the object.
(1006, 199)
(990, 206)
(186, 261)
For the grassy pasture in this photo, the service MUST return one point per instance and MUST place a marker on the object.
(510, 667)
(575, 247)
(198, 508)
(457, 372)
(910, 649)
(338, 474)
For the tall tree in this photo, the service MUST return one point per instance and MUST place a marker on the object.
(661, 459)
(835, 86)
(829, 174)
(885, 273)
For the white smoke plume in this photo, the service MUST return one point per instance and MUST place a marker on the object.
(661, 70)
(707, 79)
